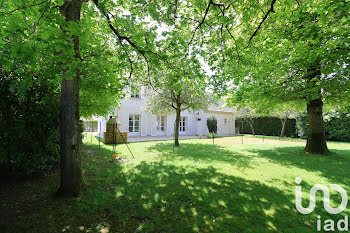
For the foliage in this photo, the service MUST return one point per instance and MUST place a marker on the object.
(337, 125)
(38, 42)
(338, 128)
(211, 135)
(30, 125)
(164, 100)
(302, 124)
(265, 125)
(212, 124)
(33, 40)
(286, 110)
(297, 38)
(248, 115)
(175, 93)
(282, 51)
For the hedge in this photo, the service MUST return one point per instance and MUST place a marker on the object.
(336, 128)
(270, 126)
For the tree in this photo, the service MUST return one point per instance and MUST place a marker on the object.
(283, 116)
(248, 115)
(70, 159)
(283, 51)
(178, 96)
(84, 53)
(283, 112)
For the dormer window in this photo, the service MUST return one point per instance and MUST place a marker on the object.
(136, 96)
(135, 92)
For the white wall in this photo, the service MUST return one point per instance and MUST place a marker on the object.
(148, 122)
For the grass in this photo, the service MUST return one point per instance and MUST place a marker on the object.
(198, 187)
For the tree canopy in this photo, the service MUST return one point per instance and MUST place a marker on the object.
(285, 51)
(299, 53)
(260, 52)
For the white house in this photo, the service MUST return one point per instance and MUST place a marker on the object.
(133, 118)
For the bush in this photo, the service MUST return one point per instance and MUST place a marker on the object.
(29, 129)
(212, 124)
(211, 135)
(270, 126)
(338, 128)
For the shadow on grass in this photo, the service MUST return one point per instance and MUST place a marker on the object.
(160, 197)
(201, 152)
(166, 198)
(334, 166)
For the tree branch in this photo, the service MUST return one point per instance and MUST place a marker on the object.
(263, 20)
(234, 39)
(41, 16)
(202, 21)
(24, 7)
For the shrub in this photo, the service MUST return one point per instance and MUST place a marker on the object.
(270, 126)
(29, 129)
(211, 135)
(212, 124)
(338, 128)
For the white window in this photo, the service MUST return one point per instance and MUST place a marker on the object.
(183, 124)
(137, 96)
(161, 123)
(134, 123)
(135, 92)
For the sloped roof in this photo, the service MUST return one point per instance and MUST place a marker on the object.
(220, 107)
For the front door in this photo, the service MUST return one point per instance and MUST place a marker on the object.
(199, 126)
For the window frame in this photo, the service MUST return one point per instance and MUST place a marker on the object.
(134, 123)
(183, 124)
(135, 91)
(161, 123)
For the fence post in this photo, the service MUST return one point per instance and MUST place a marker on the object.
(91, 132)
(99, 137)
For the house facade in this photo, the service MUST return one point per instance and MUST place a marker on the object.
(133, 118)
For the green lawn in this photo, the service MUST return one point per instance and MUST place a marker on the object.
(198, 187)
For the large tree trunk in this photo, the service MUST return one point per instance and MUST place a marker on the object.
(177, 126)
(283, 121)
(316, 139)
(70, 141)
